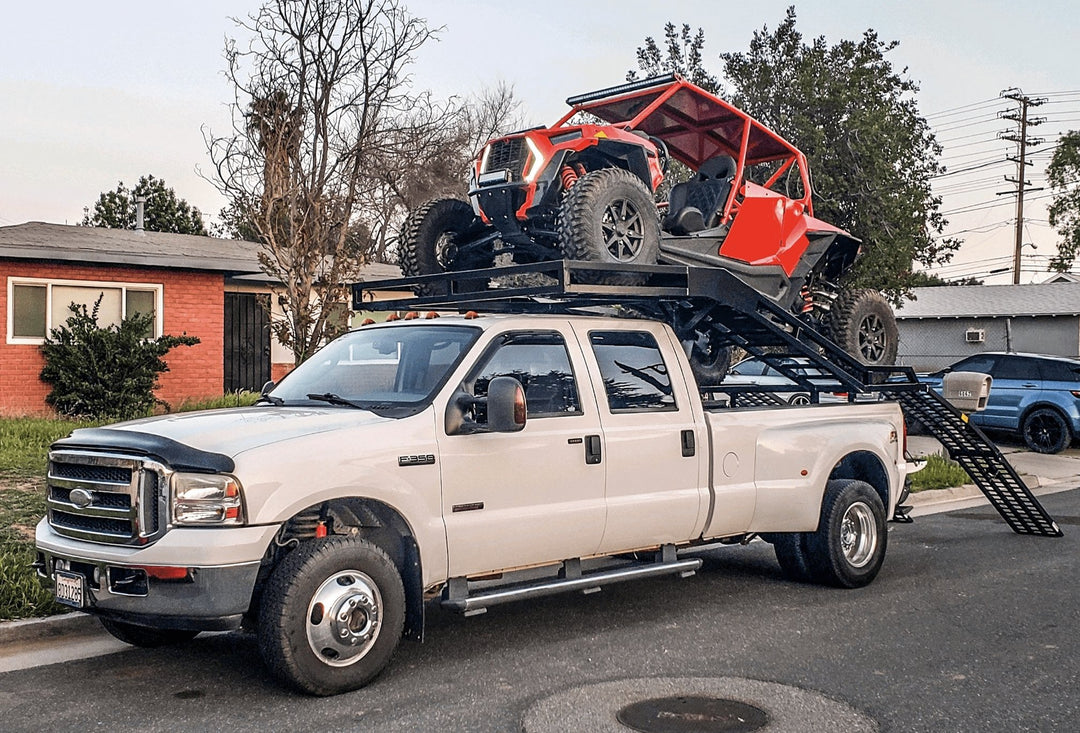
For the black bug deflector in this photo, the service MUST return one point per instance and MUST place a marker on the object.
(688, 297)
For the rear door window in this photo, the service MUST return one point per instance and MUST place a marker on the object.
(1016, 367)
(1059, 371)
(634, 373)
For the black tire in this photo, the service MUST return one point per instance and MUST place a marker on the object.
(145, 636)
(790, 549)
(800, 399)
(709, 361)
(1045, 431)
(862, 323)
(301, 640)
(848, 548)
(428, 240)
(609, 216)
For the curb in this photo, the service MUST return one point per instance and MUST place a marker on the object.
(13, 633)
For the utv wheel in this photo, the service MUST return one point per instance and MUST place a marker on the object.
(429, 240)
(709, 361)
(609, 216)
(145, 636)
(331, 615)
(863, 324)
(1045, 431)
(849, 545)
(790, 549)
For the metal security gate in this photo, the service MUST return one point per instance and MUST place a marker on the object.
(247, 341)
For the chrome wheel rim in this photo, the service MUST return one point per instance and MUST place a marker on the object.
(344, 618)
(623, 230)
(858, 534)
(800, 399)
(872, 338)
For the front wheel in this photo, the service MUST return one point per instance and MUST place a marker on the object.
(430, 238)
(331, 615)
(1045, 431)
(145, 636)
(609, 216)
(862, 323)
(848, 548)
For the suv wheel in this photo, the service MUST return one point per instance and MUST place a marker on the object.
(1045, 431)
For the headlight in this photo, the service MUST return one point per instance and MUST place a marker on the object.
(206, 498)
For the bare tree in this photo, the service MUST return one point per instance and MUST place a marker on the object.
(321, 93)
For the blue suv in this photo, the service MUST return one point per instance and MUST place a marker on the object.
(1034, 395)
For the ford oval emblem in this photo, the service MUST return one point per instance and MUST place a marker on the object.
(81, 498)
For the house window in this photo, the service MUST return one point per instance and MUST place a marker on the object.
(36, 306)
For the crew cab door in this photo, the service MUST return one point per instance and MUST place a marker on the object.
(655, 450)
(535, 496)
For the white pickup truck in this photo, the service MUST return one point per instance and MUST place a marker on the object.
(487, 458)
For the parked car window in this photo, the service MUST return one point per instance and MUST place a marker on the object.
(1053, 370)
(539, 361)
(634, 373)
(750, 368)
(983, 363)
(1016, 367)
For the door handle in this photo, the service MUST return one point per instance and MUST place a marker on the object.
(688, 443)
(592, 449)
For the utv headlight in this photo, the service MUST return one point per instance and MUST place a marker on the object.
(537, 162)
(206, 499)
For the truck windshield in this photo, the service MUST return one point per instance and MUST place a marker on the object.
(383, 369)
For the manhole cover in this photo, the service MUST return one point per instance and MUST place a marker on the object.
(689, 714)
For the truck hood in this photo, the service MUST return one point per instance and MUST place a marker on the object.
(234, 430)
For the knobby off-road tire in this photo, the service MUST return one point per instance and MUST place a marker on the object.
(144, 636)
(848, 548)
(1045, 431)
(331, 615)
(609, 216)
(862, 323)
(428, 238)
(709, 361)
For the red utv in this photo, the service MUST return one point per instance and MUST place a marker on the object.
(585, 188)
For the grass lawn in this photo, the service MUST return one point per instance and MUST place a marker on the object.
(24, 445)
(940, 473)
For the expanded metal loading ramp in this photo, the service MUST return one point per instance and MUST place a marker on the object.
(689, 298)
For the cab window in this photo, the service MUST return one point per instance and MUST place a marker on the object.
(634, 373)
(539, 361)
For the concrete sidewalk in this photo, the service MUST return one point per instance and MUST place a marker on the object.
(38, 642)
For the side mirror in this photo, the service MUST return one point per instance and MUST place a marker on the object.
(268, 387)
(505, 406)
(967, 391)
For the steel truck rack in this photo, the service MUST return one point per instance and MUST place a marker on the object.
(690, 298)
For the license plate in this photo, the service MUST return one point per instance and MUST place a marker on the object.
(70, 589)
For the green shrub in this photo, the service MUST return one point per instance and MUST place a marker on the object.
(940, 473)
(22, 504)
(105, 373)
(240, 398)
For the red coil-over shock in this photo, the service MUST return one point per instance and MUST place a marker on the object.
(569, 175)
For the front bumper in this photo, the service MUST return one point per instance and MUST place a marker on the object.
(212, 595)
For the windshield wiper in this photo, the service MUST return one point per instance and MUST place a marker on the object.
(335, 399)
(272, 399)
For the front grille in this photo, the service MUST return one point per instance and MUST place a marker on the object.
(105, 497)
(507, 154)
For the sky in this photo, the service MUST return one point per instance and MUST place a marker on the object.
(96, 93)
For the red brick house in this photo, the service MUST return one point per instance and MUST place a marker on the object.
(201, 286)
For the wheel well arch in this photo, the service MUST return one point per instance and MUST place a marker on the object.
(369, 519)
(617, 154)
(1040, 406)
(864, 466)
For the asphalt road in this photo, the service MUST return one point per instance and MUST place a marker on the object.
(968, 628)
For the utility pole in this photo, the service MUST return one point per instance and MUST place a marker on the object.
(1023, 122)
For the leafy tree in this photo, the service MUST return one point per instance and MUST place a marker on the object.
(164, 211)
(922, 279)
(1064, 176)
(682, 54)
(105, 373)
(321, 91)
(871, 153)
